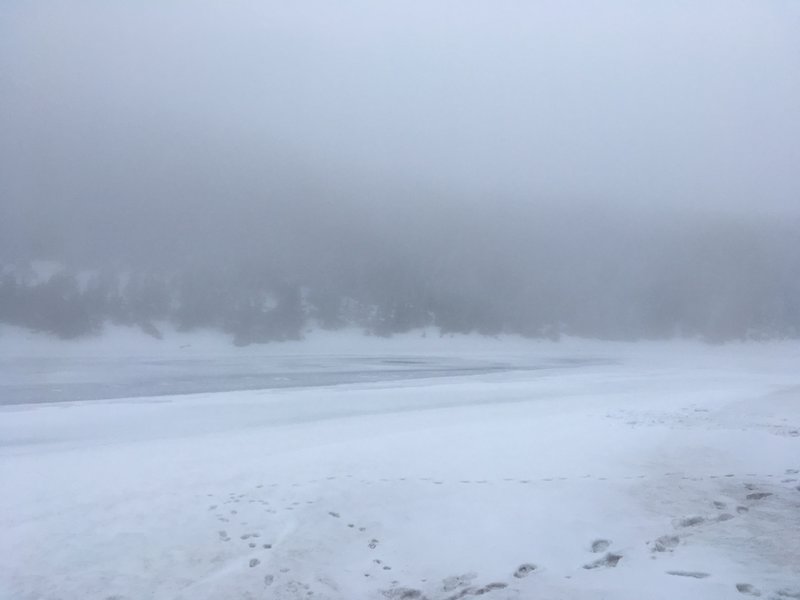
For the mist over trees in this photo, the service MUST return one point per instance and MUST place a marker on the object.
(614, 170)
(544, 273)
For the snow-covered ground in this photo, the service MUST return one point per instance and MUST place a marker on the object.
(572, 470)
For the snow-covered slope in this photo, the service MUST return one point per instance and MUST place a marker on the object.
(650, 471)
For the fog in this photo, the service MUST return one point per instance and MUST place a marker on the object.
(612, 169)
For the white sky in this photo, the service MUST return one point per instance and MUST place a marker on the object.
(685, 104)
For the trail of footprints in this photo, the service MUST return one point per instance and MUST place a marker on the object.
(456, 587)
(684, 525)
(461, 586)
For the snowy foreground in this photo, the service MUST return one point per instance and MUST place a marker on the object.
(580, 470)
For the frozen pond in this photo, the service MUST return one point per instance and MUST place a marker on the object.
(38, 379)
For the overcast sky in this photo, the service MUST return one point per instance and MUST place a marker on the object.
(105, 106)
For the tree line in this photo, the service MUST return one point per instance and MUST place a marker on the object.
(709, 291)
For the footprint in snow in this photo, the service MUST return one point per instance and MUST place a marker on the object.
(478, 591)
(609, 560)
(758, 495)
(725, 517)
(524, 570)
(600, 545)
(690, 521)
(693, 574)
(456, 581)
(403, 593)
(747, 589)
(666, 543)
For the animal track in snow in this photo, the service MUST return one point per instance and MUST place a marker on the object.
(600, 545)
(693, 574)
